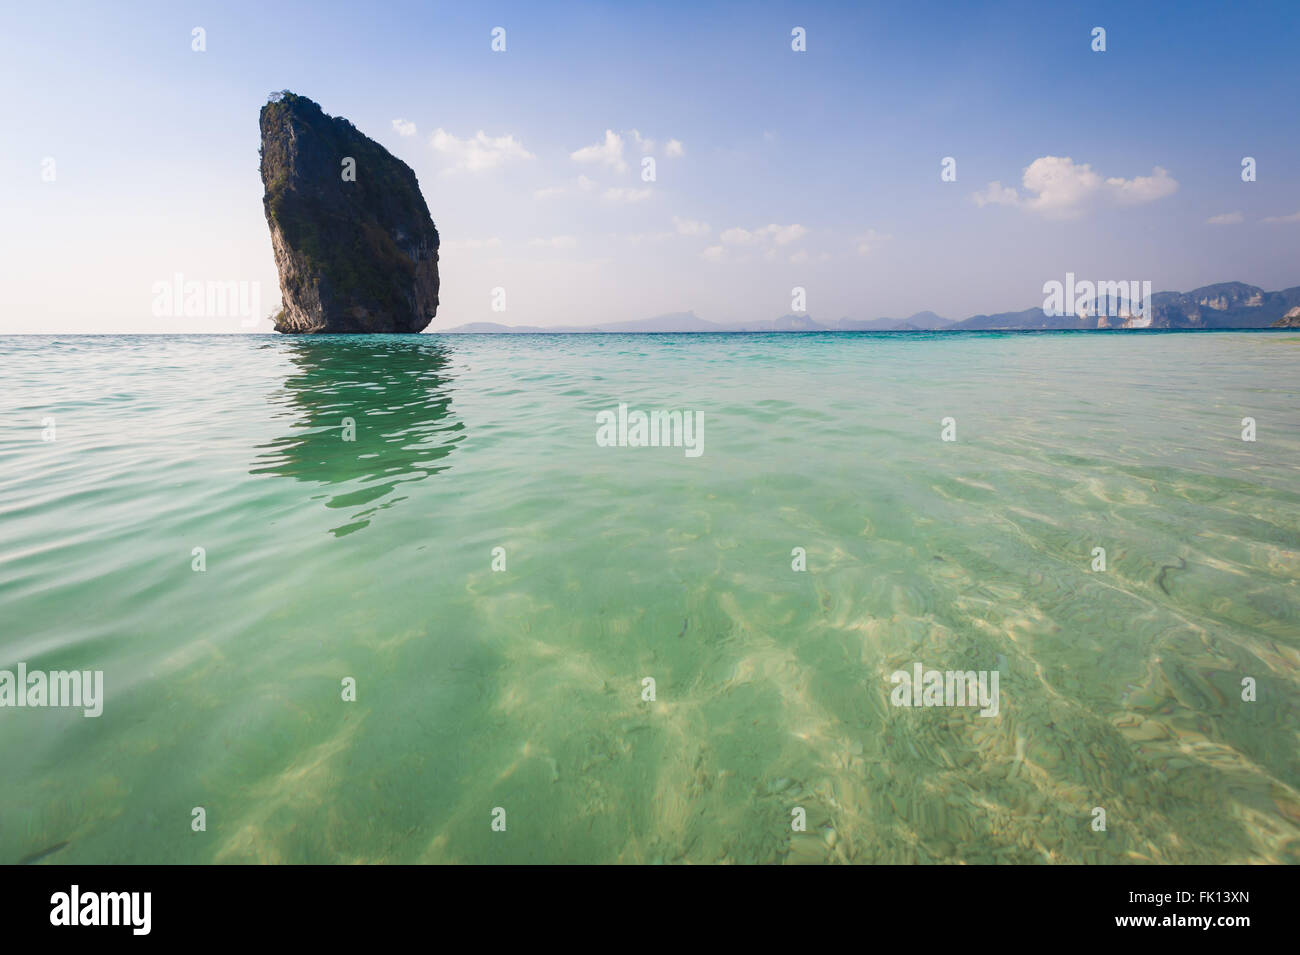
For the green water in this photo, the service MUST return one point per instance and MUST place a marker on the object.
(522, 688)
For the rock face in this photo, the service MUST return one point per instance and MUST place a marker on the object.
(356, 253)
(1290, 320)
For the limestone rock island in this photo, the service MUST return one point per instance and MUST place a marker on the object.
(355, 247)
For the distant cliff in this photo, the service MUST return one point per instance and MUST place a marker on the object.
(354, 244)
(1225, 305)
(1290, 320)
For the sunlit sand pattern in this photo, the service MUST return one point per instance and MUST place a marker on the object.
(305, 785)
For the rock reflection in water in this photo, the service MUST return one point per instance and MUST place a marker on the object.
(370, 413)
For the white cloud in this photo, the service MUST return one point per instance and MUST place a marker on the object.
(479, 152)
(738, 236)
(1228, 218)
(608, 153)
(493, 243)
(1130, 192)
(996, 195)
(1293, 217)
(646, 145)
(690, 226)
(585, 184)
(765, 241)
(784, 234)
(555, 242)
(620, 194)
(869, 241)
(780, 234)
(404, 127)
(1058, 187)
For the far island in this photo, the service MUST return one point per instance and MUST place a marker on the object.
(1223, 306)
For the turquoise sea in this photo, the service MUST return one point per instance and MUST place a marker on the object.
(515, 693)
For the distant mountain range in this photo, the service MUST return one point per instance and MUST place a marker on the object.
(1226, 305)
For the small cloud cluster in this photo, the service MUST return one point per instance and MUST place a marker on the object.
(479, 152)
(780, 234)
(765, 239)
(1057, 187)
(404, 127)
(609, 152)
(1228, 218)
(690, 226)
(647, 146)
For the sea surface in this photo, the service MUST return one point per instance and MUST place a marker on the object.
(508, 685)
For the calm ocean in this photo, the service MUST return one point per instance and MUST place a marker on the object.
(237, 530)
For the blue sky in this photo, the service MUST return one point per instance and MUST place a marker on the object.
(817, 169)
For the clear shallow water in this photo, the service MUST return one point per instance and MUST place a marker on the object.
(522, 689)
